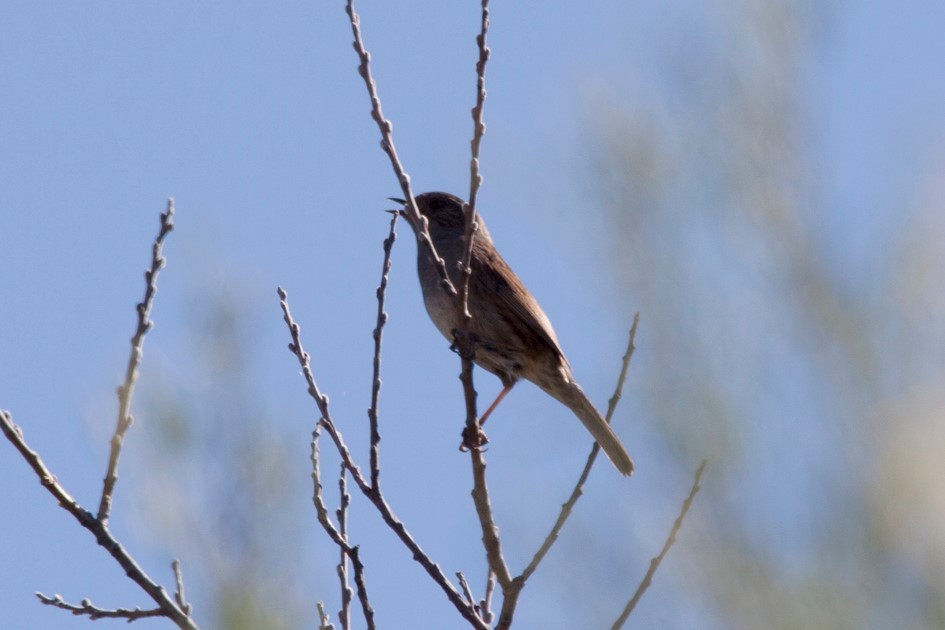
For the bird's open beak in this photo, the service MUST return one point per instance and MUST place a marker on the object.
(398, 212)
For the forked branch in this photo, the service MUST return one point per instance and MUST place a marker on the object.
(174, 608)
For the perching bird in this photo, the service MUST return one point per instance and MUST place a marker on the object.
(510, 334)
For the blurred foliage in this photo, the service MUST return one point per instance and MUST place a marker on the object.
(809, 375)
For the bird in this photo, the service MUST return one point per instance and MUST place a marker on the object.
(510, 334)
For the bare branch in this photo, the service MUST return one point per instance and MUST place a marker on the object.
(384, 125)
(179, 596)
(378, 337)
(126, 390)
(344, 615)
(578, 490)
(479, 127)
(475, 179)
(374, 495)
(485, 606)
(324, 619)
(490, 532)
(466, 590)
(355, 554)
(102, 536)
(618, 390)
(512, 590)
(482, 606)
(480, 491)
(321, 510)
(510, 597)
(655, 562)
(321, 401)
(179, 611)
(93, 612)
(387, 144)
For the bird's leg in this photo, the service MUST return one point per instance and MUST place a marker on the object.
(474, 436)
(495, 403)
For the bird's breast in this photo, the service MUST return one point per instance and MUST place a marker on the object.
(440, 306)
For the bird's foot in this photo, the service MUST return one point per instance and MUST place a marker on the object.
(464, 344)
(474, 438)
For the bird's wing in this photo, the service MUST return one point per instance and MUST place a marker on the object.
(510, 291)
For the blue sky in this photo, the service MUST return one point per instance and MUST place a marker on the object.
(253, 118)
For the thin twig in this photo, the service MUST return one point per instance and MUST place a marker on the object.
(93, 612)
(466, 590)
(98, 529)
(324, 619)
(344, 615)
(354, 553)
(480, 492)
(511, 593)
(179, 613)
(374, 495)
(490, 531)
(387, 144)
(475, 179)
(655, 562)
(378, 338)
(321, 401)
(126, 390)
(179, 592)
(479, 128)
(321, 510)
(511, 587)
(318, 496)
(578, 490)
(631, 346)
(485, 606)
(482, 606)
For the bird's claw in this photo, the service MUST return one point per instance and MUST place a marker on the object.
(474, 438)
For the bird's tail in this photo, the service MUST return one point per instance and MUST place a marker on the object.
(574, 398)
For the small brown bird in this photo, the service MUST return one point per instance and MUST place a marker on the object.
(511, 335)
